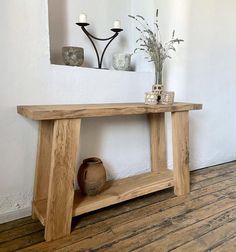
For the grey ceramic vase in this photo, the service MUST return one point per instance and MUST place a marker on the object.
(73, 56)
(121, 61)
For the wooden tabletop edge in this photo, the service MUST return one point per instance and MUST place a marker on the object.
(199, 106)
(22, 111)
(101, 105)
(53, 112)
(19, 109)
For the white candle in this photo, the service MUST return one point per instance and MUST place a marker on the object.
(82, 18)
(116, 24)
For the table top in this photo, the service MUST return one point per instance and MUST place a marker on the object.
(55, 112)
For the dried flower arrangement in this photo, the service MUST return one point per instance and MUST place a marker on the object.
(150, 42)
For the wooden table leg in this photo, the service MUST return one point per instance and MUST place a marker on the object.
(180, 134)
(158, 142)
(43, 163)
(61, 180)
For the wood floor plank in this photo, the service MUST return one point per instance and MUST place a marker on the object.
(16, 223)
(184, 207)
(205, 242)
(151, 219)
(200, 175)
(211, 181)
(103, 226)
(107, 231)
(23, 241)
(160, 231)
(229, 245)
(101, 215)
(184, 235)
(20, 231)
(129, 229)
(223, 166)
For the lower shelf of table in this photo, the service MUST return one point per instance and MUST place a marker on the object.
(114, 192)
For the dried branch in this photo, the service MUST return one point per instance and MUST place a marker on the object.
(150, 42)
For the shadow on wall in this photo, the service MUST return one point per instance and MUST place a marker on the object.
(210, 68)
(211, 50)
(183, 72)
(57, 12)
(101, 135)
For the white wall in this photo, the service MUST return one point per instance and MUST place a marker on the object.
(201, 71)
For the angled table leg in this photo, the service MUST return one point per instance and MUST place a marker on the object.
(61, 180)
(180, 134)
(158, 142)
(43, 163)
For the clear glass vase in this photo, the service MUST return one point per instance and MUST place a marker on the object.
(158, 86)
(158, 75)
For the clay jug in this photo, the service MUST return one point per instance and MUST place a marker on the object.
(91, 176)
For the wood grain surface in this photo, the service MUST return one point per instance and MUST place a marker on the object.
(52, 112)
(61, 180)
(180, 135)
(54, 202)
(158, 142)
(43, 162)
(115, 192)
(204, 220)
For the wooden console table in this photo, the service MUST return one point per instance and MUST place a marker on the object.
(55, 201)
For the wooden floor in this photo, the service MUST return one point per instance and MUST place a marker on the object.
(205, 220)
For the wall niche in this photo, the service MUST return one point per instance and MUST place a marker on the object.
(63, 31)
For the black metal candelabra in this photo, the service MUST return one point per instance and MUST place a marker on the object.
(91, 37)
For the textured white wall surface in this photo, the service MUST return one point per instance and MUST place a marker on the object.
(202, 71)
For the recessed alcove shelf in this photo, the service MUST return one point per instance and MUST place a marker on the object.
(95, 70)
(63, 31)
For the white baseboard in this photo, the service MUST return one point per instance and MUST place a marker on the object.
(14, 215)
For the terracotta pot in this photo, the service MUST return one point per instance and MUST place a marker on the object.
(91, 176)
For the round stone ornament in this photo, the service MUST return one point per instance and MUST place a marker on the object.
(73, 56)
(121, 61)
